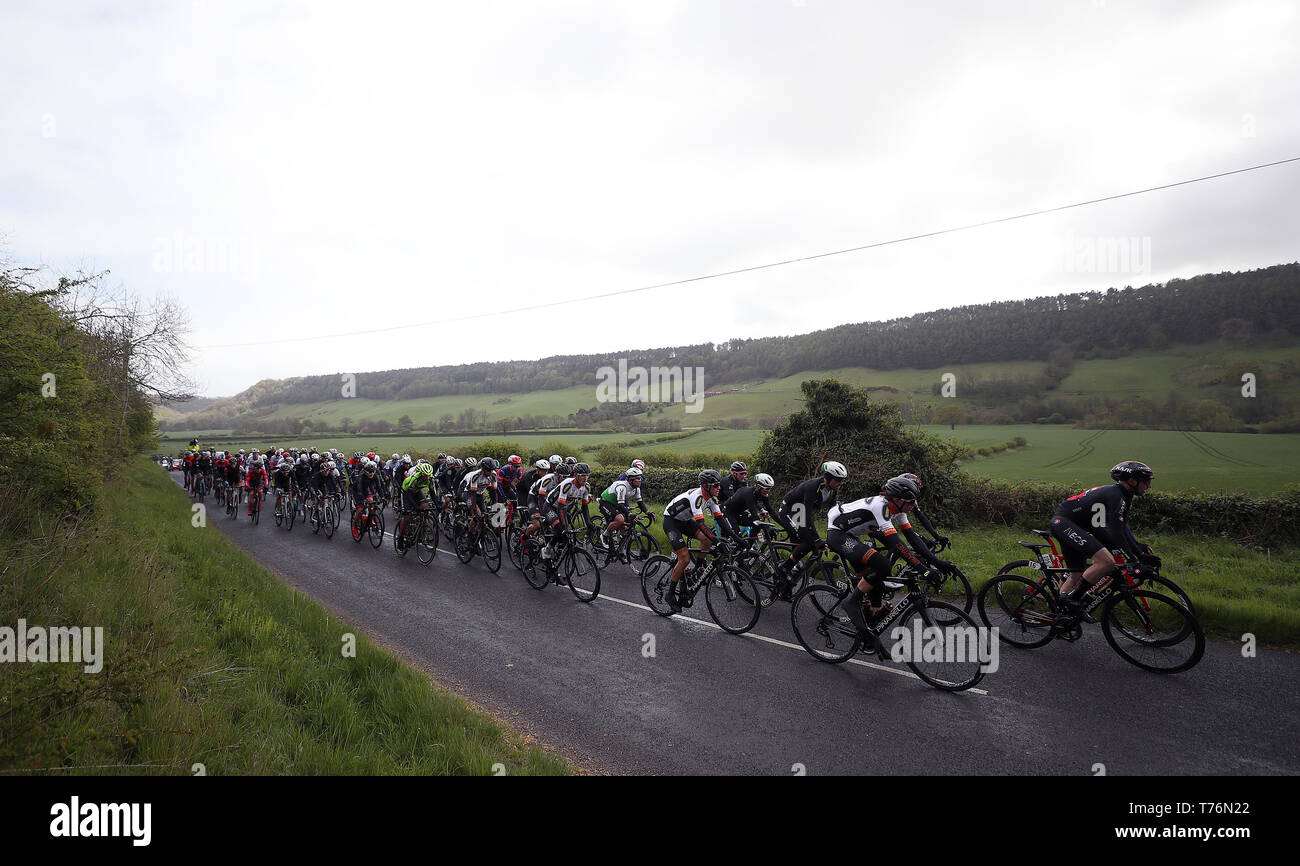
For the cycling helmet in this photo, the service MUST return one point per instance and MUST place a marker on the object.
(556, 458)
(560, 469)
(194, 442)
(515, 460)
(422, 461)
(368, 467)
(254, 451)
(471, 462)
(915, 478)
(257, 461)
(441, 456)
(710, 476)
(425, 469)
(581, 469)
(314, 457)
(357, 456)
(303, 460)
(406, 457)
(902, 488)
(371, 457)
(544, 465)
(241, 451)
(639, 464)
(831, 469)
(764, 481)
(570, 460)
(488, 464)
(634, 473)
(739, 466)
(396, 457)
(1131, 469)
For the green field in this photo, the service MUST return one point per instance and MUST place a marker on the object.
(1182, 461)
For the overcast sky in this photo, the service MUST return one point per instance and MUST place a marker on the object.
(289, 170)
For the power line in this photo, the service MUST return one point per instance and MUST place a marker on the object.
(731, 273)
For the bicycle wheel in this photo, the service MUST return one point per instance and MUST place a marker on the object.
(581, 574)
(377, 529)
(328, 519)
(950, 645)
(490, 543)
(339, 505)
(279, 513)
(535, 569)
(821, 626)
(732, 599)
(655, 577)
(401, 544)
(463, 541)
(257, 511)
(1022, 610)
(293, 513)
(314, 517)
(359, 527)
(513, 547)
(1165, 586)
(427, 546)
(1152, 631)
(954, 589)
(638, 547)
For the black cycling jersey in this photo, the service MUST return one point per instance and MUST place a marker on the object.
(729, 486)
(1103, 511)
(746, 505)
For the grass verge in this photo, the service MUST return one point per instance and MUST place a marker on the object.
(210, 659)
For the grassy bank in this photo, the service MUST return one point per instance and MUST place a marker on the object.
(1235, 590)
(209, 659)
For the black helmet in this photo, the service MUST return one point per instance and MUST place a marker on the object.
(488, 464)
(570, 460)
(902, 488)
(581, 469)
(560, 469)
(442, 455)
(1131, 469)
(739, 466)
(194, 442)
(710, 476)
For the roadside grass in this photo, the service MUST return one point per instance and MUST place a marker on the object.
(1236, 591)
(210, 659)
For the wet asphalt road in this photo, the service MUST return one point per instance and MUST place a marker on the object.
(574, 677)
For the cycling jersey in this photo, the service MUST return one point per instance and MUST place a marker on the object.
(746, 505)
(256, 477)
(1105, 510)
(620, 493)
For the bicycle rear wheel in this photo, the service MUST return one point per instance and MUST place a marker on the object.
(638, 547)
(1152, 631)
(581, 574)
(821, 625)
(951, 646)
(1022, 610)
(328, 519)
(377, 529)
(279, 513)
(535, 569)
(733, 600)
(359, 527)
(514, 548)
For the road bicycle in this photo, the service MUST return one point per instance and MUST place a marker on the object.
(285, 509)
(472, 535)
(1049, 562)
(255, 505)
(570, 564)
(951, 658)
(732, 597)
(421, 533)
(1148, 629)
(368, 518)
(632, 546)
(321, 514)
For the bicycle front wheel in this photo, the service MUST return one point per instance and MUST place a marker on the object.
(329, 520)
(944, 647)
(733, 600)
(821, 625)
(377, 529)
(427, 545)
(1152, 631)
(638, 547)
(655, 578)
(491, 544)
(581, 574)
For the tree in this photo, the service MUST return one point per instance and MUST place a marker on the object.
(950, 415)
(405, 424)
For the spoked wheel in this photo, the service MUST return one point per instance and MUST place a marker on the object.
(401, 544)
(427, 545)
(463, 542)
(535, 569)
(490, 541)
(329, 520)
(655, 577)
(581, 574)
(279, 514)
(293, 514)
(358, 526)
(314, 518)
(954, 589)
(376, 529)
(1022, 610)
(257, 511)
(638, 547)
(821, 625)
(951, 646)
(733, 600)
(1152, 631)
(514, 547)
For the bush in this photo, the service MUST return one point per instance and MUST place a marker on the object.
(1020, 441)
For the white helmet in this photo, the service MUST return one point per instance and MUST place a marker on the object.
(544, 465)
(831, 469)
(764, 480)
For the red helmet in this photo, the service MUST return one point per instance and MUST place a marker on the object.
(515, 460)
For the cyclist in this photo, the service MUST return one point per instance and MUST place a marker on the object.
(477, 483)
(232, 475)
(750, 503)
(537, 494)
(416, 488)
(256, 480)
(636, 464)
(613, 503)
(924, 519)
(282, 480)
(369, 485)
(508, 475)
(1105, 510)
(882, 516)
(799, 508)
(684, 520)
(555, 507)
(445, 476)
